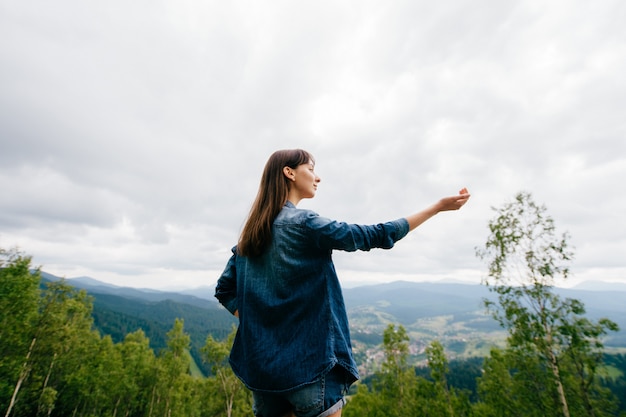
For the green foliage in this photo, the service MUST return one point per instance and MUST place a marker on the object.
(366, 403)
(551, 346)
(397, 391)
(461, 374)
(117, 316)
(616, 383)
(235, 400)
(59, 332)
(396, 348)
(550, 364)
(19, 293)
(55, 362)
(395, 383)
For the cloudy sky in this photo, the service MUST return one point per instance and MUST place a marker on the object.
(133, 134)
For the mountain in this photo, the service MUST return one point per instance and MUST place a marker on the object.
(450, 312)
(456, 311)
(93, 286)
(601, 286)
(118, 311)
(206, 292)
(408, 301)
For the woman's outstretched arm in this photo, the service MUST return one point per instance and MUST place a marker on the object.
(445, 204)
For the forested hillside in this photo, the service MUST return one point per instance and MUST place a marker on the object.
(54, 363)
(452, 313)
(118, 311)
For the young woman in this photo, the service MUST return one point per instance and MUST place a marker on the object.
(292, 347)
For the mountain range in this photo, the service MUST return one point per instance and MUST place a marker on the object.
(451, 312)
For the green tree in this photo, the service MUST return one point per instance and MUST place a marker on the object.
(495, 388)
(366, 402)
(398, 378)
(105, 378)
(230, 391)
(525, 259)
(398, 391)
(64, 335)
(438, 365)
(437, 397)
(170, 397)
(19, 300)
(515, 384)
(139, 367)
(583, 357)
(393, 387)
(56, 334)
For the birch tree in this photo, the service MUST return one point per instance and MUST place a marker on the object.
(19, 296)
(231, 394)
(526, 258)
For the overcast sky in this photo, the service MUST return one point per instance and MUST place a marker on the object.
(133, 134)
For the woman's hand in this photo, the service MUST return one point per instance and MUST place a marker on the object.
(454, 202)
(445, 204)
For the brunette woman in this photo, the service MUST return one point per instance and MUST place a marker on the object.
(292, 347)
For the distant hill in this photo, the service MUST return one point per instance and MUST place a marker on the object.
(118, 311)
(93, 286)
(446, 310)
(409, 301)
(206, 292)
(601, 286)
(451, 313)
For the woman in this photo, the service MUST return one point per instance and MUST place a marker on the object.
(292, 347)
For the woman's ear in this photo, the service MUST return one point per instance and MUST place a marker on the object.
(288, 172)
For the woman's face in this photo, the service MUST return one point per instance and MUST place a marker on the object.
(304, 180)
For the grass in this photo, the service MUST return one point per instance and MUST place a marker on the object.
(194, 370)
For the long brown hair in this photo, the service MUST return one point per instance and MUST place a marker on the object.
(270, 199)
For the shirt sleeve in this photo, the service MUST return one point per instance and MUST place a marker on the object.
(226, 289)
(331, 234)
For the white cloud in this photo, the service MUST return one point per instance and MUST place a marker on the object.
(133, 135)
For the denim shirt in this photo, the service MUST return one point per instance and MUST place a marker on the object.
(293, 326)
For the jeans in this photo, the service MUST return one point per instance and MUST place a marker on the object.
(319, 399)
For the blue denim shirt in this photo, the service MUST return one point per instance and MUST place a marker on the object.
(293, 326)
